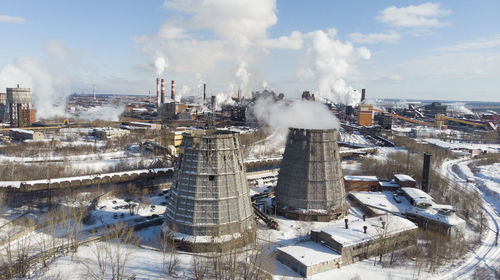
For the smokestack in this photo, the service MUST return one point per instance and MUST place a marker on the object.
(162, 91)
(425, 174)
(346, 223)
(204, 93)
(363, 92)
(172, 94)
(213, 109)
(157, 92)
(365, 228)
(95, 99)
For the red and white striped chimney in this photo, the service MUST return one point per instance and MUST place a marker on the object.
(172, 94)
(157, 92)
(162, 91)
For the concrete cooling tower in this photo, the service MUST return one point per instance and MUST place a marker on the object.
(310, 182)
(209, 204)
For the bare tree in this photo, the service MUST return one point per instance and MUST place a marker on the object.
(117, 251)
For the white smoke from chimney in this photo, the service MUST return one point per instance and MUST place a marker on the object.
(330, 61)
(47, 77)
(459, 107)
(106, 112)
(243, 76)
(160, 65)
(279, 116)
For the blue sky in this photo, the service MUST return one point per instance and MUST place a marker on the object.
(396, 49)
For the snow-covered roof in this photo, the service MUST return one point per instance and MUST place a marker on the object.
(381, 202)
(361, 178)
(418, 195)
(388, 184)
(310, 253)
(355, 235)
(404, 178)
(17, 184)
(22, 130)
(451, 219)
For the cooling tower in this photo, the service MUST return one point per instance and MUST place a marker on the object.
(310, 182)
(209, 204)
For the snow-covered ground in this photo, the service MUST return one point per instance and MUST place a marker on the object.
(487, 255)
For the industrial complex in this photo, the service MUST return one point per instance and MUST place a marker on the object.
(204, 179)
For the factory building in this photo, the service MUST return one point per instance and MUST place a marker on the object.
(310, 183)
(3, 100)
(173, 138)
(339, 245)
(18, 109)
(361, 183)
(22, 134)
(209, 204)
(365, 117)
(432, 216)
(109, 133)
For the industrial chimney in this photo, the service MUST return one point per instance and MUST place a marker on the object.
(172, 94)
(425, 172)
(158, 92)
(95, 99)
(363, 95)
(162, 91)
(204, 93)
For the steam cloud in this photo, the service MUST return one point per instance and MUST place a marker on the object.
(106, 112)
(47, 77)
(279, 116)
(330, 61)
(241, 39)
(459, 107)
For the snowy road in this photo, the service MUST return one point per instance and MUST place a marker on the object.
(487, 255)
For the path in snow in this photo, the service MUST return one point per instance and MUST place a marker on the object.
(487, 255)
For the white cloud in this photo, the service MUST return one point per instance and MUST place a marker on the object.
(11, 19)
(294, 41)
(480, 44)
(425, 15)
(373, 38)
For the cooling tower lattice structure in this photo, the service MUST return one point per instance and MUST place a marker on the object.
(209, 204)
(310, 182)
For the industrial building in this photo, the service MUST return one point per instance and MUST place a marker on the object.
(21, 134)
(3, 100)
(365, 116)
(17, 107)
(432, 216)
(104, 133)
(415, 205)
(209, 204)
(339, 245)
(310, 183)
(173, 138)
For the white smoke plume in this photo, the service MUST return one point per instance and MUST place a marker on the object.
(160, 65)
(47, 77)
(236, 51)
(331, 61)
(459, 107)
(243, 76)
(106, 112)
(279, 116)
